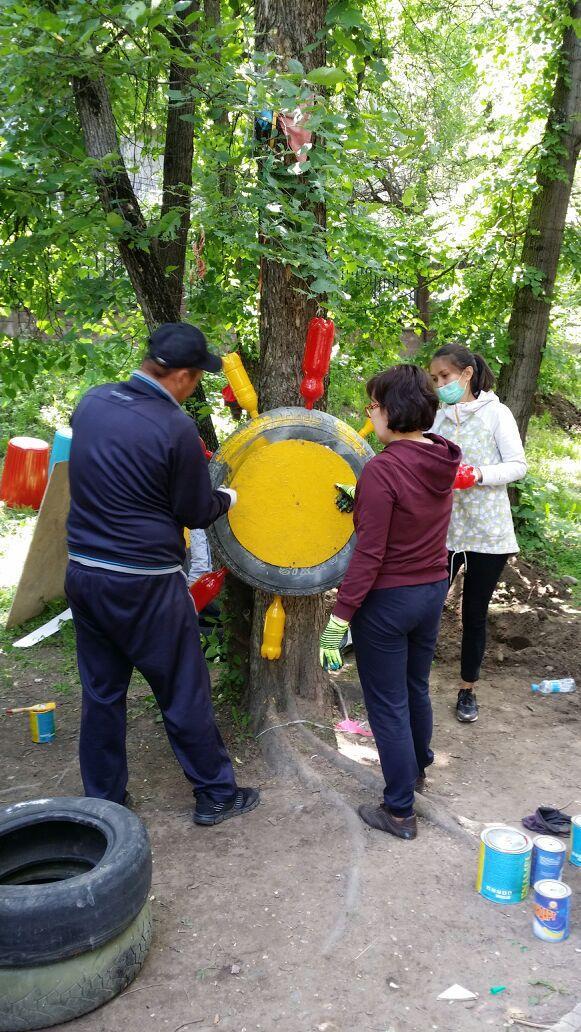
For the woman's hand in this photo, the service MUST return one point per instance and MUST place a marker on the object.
(466, 476)
(330, 656)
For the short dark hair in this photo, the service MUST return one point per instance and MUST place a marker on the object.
(407, 394)
(160, 372)
(462, 358)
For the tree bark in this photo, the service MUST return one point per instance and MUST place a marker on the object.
(139, 254)
(178, 157)
(529, 321)
(289, 30)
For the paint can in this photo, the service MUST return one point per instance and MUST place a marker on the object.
(41, 719)
(575, 854)
(551, 908)
(548, 858)
(504, 866)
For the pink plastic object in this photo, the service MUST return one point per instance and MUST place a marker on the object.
(353, 727)
(25, 473)
(316, 360)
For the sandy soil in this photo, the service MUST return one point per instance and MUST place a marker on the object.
(297, 918)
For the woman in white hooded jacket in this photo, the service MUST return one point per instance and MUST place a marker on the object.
(481, 534)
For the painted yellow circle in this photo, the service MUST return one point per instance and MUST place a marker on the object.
(286, 513)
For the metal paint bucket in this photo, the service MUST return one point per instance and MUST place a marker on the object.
(504, 866)
(575, 854)
(41, 719)
(548, 858)
(551, 909)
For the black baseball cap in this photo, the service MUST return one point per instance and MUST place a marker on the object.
(182, 346)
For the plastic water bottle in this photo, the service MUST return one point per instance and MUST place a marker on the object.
(565, 684)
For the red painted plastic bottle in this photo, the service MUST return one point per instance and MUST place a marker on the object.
(205, 589)
(317, 358)
(207, 453)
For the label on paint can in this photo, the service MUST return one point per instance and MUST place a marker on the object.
(548, 858)
(41, 720)
(551, 909)
(575, 855)
(504, 866)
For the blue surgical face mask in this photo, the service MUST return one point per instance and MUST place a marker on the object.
(451, 393)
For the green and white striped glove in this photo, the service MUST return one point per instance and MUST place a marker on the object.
(345, 500)
(330, 656)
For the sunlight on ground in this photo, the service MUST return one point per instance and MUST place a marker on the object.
(13, 549)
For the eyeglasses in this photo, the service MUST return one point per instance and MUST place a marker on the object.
(369, 408)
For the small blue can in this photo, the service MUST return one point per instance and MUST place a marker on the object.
(551, 908)
(548, 858)
(575, 854)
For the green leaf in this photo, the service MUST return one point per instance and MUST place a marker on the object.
(115, 221)
(327, 76)
(408, 196)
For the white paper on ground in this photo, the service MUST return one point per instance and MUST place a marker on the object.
(457, 992)
(43, 632)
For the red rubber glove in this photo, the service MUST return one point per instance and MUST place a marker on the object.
(466, 476)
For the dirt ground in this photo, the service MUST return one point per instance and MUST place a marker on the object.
(297, 918)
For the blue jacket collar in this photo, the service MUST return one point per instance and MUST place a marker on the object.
(153, 386)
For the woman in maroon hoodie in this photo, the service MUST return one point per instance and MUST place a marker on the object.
(396, 583)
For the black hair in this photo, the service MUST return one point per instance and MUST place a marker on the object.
(407, 394)
(460, 357)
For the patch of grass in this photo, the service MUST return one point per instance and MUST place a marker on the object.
(548, 510)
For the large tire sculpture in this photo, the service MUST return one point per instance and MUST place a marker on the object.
(75, 925)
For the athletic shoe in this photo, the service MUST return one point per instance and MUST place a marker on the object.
(380, 818)
(208, 811)
(466, 708)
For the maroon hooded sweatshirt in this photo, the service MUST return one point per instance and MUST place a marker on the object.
(403, 504)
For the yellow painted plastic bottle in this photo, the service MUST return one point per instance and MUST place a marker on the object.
(366, 429)
(240, 383)
(273, 630)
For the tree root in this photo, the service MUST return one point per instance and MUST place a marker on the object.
(280, 754)
(430, 810)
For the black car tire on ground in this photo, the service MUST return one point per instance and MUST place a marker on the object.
(38, 997)
(74, 873)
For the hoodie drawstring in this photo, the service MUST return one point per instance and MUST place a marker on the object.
(454, 554)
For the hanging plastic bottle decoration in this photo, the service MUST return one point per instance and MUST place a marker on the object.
(317, 358)
(274, 622)
(205, 589)
(366, 429)
(240, 383)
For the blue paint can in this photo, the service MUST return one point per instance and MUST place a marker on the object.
(551, 908)
(41, 719)
(575, 854)
(504, 866)
(548, 858)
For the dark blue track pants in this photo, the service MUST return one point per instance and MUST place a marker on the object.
(124, 621)
(394, 636)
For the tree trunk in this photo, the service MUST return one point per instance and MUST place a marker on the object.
(529, 321)
(178, 158)
(290, 30)
(139, 254)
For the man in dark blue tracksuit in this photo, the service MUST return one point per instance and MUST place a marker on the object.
(138, 476)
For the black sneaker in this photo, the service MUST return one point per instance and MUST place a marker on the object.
(466, 708)
(208, 811)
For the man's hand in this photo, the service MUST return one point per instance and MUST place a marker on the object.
(330, 656)
(466, 476)
(345, 500)
(232, 494)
